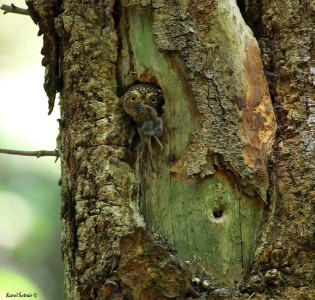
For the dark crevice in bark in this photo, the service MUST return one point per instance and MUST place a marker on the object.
(68, 213)
(272, 79)
(117, 15)
(252, 14)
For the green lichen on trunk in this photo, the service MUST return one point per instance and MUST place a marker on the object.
(206, 195)
(207, 217)
(149, 61)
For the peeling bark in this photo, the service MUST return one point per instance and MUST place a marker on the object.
(43, 13)
(285, 254)
(219, 128)
(205, 201)
(148, 268)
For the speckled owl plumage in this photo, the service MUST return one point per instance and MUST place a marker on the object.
(143, 103)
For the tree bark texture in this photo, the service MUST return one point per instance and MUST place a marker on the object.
(285, 255)
(206, 196)
(204, 204)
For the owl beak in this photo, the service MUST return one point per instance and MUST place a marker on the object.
(137, 108)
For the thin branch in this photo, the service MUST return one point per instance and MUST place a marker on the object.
(14, 9)
(31, 153)
(251, 296)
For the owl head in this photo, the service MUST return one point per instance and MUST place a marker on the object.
(143, 94)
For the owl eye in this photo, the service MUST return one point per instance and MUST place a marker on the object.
(132, 98)
(154, 100)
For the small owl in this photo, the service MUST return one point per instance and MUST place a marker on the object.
(143, 102)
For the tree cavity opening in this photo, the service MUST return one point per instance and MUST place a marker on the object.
(218, 212)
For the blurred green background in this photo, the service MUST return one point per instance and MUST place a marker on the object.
(30, 226)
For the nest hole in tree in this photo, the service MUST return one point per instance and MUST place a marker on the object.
(218, 212)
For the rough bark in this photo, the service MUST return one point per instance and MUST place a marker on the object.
(98, 184)
(284, 257)
(219, 130)
(206, 196)
(43, 13)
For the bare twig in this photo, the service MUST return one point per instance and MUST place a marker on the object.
(251, 296)
(14, 9)
(31, 153)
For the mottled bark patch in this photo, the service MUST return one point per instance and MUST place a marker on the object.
(149, 269)
(283, 257)
(218, 123)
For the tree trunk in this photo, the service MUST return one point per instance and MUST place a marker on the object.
(284, 257)
(134, 233)
(206, 197)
